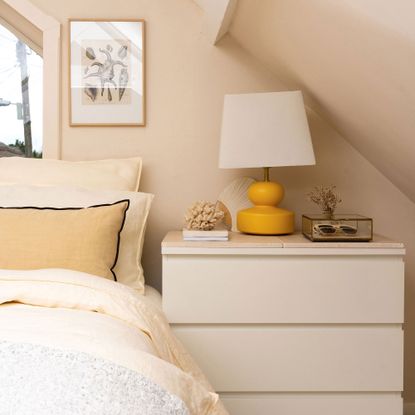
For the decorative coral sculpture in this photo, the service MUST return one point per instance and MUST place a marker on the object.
(203, 216)
(326, 198)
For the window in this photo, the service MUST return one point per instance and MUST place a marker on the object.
(21, 86)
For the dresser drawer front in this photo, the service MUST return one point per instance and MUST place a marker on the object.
(313, 404)
(283, 289)
(295, 358)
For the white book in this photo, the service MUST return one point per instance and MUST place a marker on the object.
(205, 238)
(216, 233)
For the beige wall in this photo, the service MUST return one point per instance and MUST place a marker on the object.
(357, 70)
(187, 78)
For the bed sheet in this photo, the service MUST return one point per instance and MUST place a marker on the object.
(153, 294)
(79, 317)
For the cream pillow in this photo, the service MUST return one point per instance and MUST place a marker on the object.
(83, 239)
(117, 174)
(128, 268)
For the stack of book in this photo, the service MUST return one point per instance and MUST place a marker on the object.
(215, 235)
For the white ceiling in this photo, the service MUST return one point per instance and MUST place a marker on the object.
(218, 15)
(397, 15)
(355, 61)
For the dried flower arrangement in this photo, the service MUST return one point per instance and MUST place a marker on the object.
(326, 198)
(203, 216)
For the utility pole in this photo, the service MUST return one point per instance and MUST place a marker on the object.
(22, 59)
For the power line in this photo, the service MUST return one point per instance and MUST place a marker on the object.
(7, 38)
(6, 78)
(8, 68)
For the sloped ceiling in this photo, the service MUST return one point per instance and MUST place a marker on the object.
(218, 15)
(355, 62)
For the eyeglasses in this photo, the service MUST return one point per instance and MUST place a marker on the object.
(328, 229)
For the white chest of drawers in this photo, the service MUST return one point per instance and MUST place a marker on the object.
(281, 325)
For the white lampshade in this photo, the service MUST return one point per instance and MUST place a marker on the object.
(265, 130)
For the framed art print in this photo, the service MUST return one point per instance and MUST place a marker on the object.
(107, 78)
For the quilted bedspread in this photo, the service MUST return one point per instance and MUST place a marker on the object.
(41, 380)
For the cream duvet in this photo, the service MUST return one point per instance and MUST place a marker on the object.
(73, 343)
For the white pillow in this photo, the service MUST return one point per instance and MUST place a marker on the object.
(128, 269)
(117, 174)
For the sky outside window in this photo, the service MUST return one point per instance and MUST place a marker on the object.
(11, 128)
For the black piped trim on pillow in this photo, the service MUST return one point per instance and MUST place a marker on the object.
(119, 234)
(87, 207)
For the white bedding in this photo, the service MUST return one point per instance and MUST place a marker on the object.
(81, 313)
(151, 293)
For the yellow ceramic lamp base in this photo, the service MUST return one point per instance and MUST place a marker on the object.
(265, 218)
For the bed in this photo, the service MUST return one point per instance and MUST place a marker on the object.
(80, 333)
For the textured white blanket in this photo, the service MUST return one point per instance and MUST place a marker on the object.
(40, 380)
(71, 311)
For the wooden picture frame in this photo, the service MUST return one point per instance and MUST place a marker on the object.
(107, 72)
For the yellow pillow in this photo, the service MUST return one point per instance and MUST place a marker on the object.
(82, 239)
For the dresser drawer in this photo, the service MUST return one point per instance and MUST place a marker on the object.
(283, 289)
(297, 358)
(314, 404)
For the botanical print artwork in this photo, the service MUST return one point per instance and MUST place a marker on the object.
(107, 72)
(106, 66)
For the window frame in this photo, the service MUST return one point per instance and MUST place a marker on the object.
(51, 53)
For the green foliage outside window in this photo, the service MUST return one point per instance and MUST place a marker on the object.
(21, 146)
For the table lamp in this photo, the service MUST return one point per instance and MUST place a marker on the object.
(265, 130)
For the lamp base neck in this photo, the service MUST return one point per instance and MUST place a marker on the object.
(266, 174)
